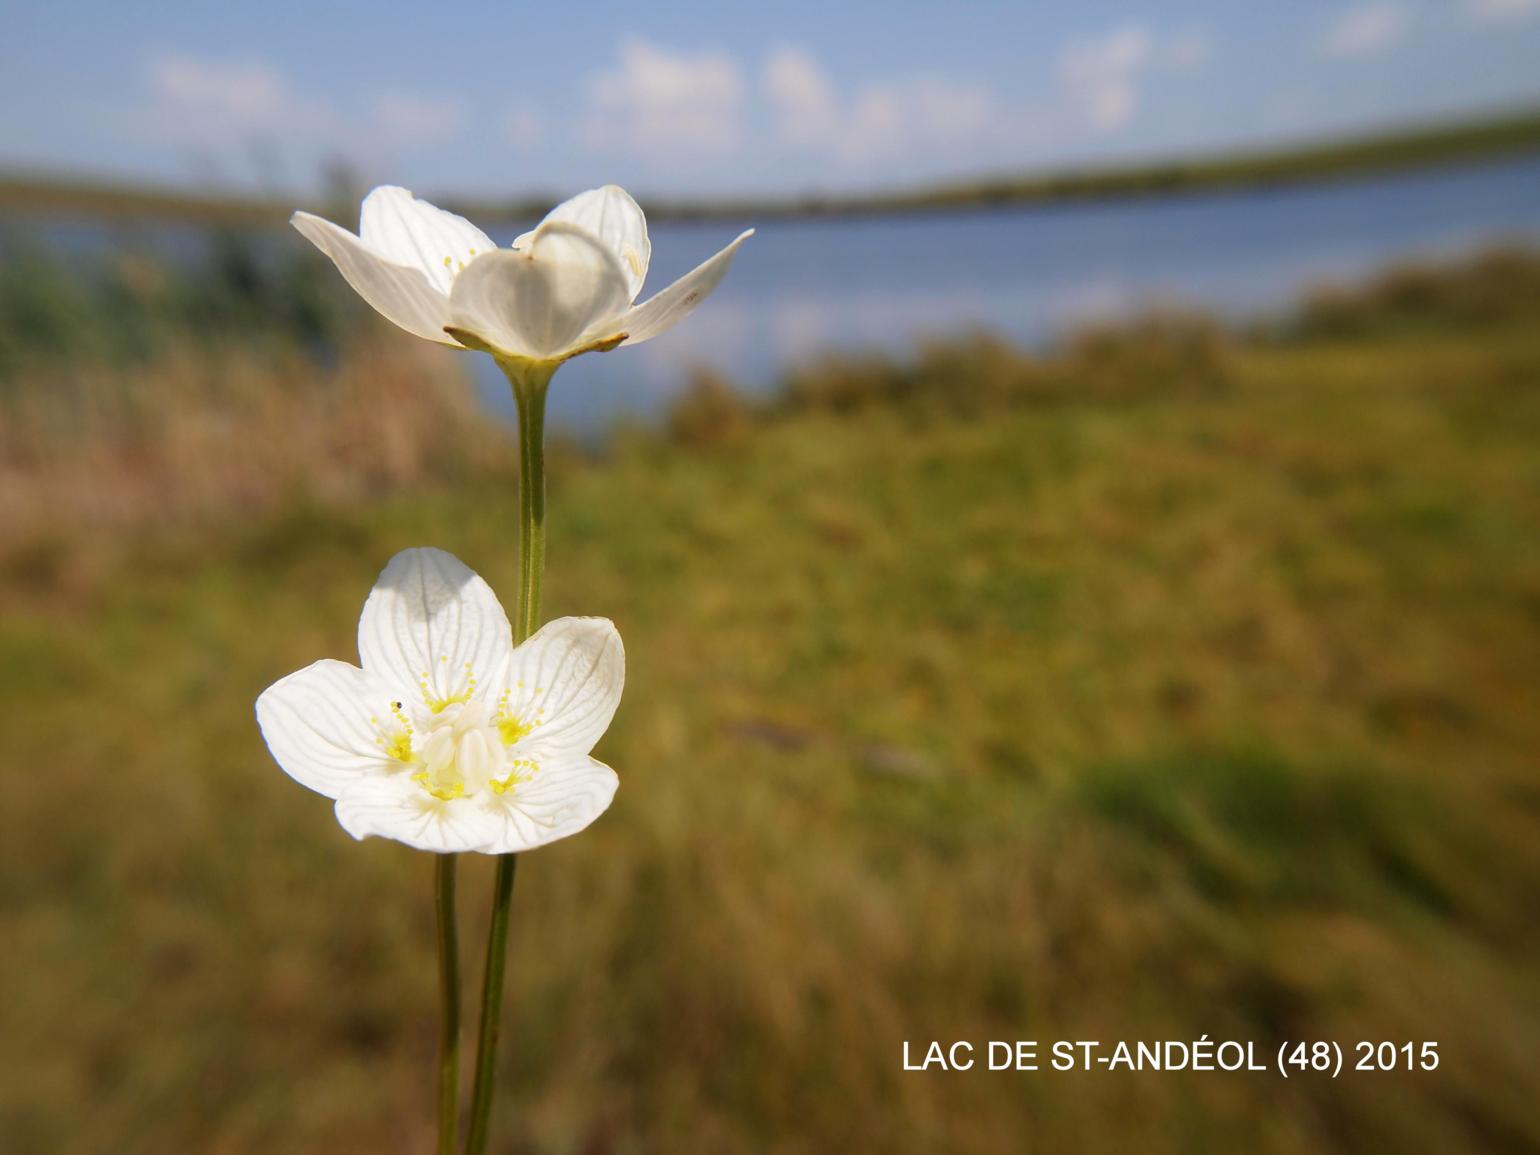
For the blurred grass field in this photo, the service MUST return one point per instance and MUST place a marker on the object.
(1177, 681)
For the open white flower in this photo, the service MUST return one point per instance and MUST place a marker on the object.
(565, 288)
(450, 738)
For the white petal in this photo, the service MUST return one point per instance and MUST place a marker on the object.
(401, 809)
(662, 311)
(610, 214)
(316, 723)
(538, 301)
(433, 624)
(422, 236)
(562, 797)
(565, 683)
(400, 294)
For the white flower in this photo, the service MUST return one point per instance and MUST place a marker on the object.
(450, 738)
(565, 288)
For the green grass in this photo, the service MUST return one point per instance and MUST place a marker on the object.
(1173, 684)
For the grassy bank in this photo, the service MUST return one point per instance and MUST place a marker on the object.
(1333, 159)
(1178, 682)
(1388, 150)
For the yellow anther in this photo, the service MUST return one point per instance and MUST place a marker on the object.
(457, 790)
(394, 740)
(511, 728)
(523, 769)
(439, 705)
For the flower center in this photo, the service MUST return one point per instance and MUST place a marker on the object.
(465, 747)
(462, 751)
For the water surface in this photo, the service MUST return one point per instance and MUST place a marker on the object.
(798, 288)
(802, 287)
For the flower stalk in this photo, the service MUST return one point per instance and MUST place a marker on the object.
(449, 990)
(530, 381)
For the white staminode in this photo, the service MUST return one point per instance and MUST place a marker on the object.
(450, 738)
(564, 288)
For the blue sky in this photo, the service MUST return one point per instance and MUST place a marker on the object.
(693, 97)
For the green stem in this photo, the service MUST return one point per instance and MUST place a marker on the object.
(529, 389)
(529, 381)
(491, 1006)
(449, 989)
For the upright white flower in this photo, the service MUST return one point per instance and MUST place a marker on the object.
(450, 738)
(565, 288)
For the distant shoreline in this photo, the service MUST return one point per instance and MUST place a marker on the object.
(1339, 158)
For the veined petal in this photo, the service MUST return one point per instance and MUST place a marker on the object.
(664, 310)
(561, 798)
(399, 809)
(422, 236)
(538, 301)
(401, 294)
(430, 622)
(317, 724)
(564, 683)
(610, 214)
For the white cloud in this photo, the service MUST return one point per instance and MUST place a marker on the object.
(1099, 89)
(665, 103)
(413, 118)
(524, 127)
(943, 108)
(1100, 77)
(1364, 30)
(1501, 11)
(878, 121)
(806, 110)
(928, 113)
(211, 100)
(224, 107)
(1291, 109)
(1186, 52)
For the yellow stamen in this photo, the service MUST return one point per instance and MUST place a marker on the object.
(502, 786)
(396, 743)
(512, 729)
(456, 790)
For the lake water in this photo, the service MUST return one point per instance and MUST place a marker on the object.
(798, 288)
(802, 287)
